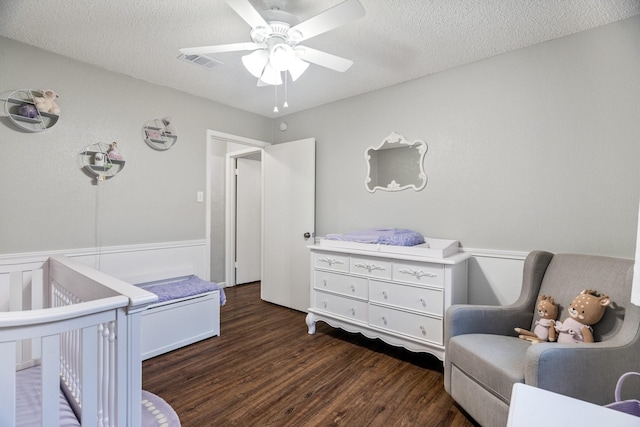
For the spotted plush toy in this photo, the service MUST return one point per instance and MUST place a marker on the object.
(547, 309)
(585, 311)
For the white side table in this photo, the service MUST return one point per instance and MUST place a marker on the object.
(535, 407)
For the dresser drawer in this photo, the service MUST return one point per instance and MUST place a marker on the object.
(341, 306)
(371, 266)
(340, 283)
(425, 300)
(417, 326)
(331, 261)
(423, 273)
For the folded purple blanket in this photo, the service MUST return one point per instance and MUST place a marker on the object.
(185, 288)
(383, 236)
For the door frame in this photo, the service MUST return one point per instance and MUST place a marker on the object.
(230, 222)
(248, 229)
(254, 145)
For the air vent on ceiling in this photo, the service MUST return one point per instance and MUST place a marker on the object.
(199, 60)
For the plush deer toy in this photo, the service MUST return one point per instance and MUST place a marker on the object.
(584, 311)
(548, 311)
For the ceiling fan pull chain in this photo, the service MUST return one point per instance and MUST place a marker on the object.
(275, 108)
(286, 104)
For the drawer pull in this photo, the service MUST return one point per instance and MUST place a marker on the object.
(424, 303)
(384, 320)
(330, 261)
(423, 330)
(353, 288)
(324, 304)
(384, 294)
(369, 267)
(353, 311)
(324, 282)
(418, 274)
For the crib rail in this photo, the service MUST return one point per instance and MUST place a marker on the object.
(82, 327)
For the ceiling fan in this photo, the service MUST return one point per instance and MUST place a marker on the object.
(275, 37)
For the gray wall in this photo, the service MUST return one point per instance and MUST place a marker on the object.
(48, 203)
(537, 148)
(534, 149)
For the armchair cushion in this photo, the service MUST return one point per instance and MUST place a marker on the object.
(498, 361)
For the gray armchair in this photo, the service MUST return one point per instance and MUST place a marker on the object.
(484, 357)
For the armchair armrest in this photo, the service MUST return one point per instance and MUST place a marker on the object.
(592, 367)
(485, 319)
(500, 320)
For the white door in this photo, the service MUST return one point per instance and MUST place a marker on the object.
(248, 219)
(288, 222)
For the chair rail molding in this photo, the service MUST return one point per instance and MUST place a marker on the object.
(128, 260)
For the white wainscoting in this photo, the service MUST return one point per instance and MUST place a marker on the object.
(133, 262)
(495, 277)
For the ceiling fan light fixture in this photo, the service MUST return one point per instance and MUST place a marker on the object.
(297, 68)
(271, 76)
(281, 56)
(275, 34)
(255, 62)
(260, 34)
(294, 35)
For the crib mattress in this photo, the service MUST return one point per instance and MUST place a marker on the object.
(29, 401)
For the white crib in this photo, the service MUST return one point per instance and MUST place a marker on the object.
(81, 328)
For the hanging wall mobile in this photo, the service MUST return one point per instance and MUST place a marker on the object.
(32, 110)
(159, 134)
(102, 160)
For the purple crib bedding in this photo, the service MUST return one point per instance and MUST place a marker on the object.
(29, 400)
(184, 288)
(382, 236)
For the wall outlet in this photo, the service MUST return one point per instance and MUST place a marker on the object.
(200, 196)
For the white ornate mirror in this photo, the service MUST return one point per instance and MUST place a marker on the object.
(396, 164)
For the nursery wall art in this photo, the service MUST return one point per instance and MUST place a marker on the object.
(102, 160)
(32, 110)
(159, 134)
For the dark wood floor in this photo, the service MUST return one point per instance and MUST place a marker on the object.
(265, 370)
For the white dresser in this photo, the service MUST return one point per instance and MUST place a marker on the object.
(398, 298)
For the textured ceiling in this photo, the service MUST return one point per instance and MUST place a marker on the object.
(397, 40)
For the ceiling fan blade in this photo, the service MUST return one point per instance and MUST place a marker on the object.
(323, 59)
(221, 48)
(334, 17)
(248, 13)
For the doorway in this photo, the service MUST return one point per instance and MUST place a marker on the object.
(220, 203)
(248, 216)
(288, 215)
